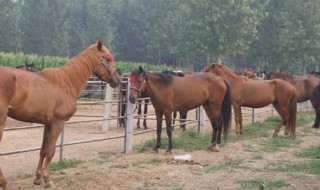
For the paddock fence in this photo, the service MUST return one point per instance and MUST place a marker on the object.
(97, 93)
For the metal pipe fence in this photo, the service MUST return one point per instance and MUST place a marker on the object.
(129, 116)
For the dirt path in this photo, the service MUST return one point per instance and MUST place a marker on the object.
(106, 167)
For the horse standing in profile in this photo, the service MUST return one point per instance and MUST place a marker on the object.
(257, 94)
(170, 93)
(145, 98)
(49, 97)
(306, 88)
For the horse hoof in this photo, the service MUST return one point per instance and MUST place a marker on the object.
(315, 127)
(49, 185)
(37, 181)
(215, 148)
(274, 135)
(168, 152)
(155, 150)
(146, 127)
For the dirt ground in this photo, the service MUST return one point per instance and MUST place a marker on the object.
(106, 167)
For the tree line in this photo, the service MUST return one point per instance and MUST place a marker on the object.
(262, 34)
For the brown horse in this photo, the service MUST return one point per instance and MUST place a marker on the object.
(49, 97)
(170, 93)
(259, 93)
(305, 88)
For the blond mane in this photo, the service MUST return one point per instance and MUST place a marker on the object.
(74, 75)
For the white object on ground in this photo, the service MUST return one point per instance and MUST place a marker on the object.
(182, 157)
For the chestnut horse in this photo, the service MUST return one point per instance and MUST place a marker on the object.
(257, 94)
(305, 88)
(170, 93)
(49, 97)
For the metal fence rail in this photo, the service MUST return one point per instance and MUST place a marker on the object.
(128, 134)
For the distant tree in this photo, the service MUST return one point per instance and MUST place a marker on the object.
(44, 27)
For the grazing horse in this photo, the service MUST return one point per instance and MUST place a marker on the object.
(170, 93)
(49, 97)
(305, 88)
(28, 67)
(259, 93)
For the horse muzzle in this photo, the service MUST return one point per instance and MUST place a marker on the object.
(132, 99)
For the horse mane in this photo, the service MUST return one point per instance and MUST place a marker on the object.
(74, 75)
(279, 75)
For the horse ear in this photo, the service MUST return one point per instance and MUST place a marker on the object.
(99, 45)
(141, 70)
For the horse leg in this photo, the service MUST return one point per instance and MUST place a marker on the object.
(39, 171)
(145, 111)
(159, 129)
(139, 113)
(216, 127)
(174, 119)
(284, 118)
(316, 106)
(183, 117)
(168, 117)
(238, 119)
(55, 130)
(3, 182)
(3, 118)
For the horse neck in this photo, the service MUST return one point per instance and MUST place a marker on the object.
(74, 75)
(153, 85)
(230, 76)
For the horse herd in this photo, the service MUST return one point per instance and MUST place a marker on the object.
(52, 101)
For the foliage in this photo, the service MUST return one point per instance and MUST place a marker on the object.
(263, 34)
(41, 62)
(57, 166)
(313, 153)
(262, 183)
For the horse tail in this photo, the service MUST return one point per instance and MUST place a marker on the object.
(226, 110)
(293, 113)
(316, 92)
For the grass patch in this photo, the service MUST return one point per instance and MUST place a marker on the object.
(312, 152)
(312, 167)
(262, 184)
(226, 165)
(57, 166)
(188, 140)
(275, 144)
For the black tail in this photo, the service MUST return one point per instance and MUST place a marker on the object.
(226, 110)
(316, 92)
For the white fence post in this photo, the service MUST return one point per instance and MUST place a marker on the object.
(202, 120)
(128, 145)
(254, 116)
(107, 108)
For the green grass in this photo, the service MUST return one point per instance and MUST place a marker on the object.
(311, 166)
(260, 183)
(312, 152)
(57, 166)
(188, 140)
(229, 165)
(275, 144)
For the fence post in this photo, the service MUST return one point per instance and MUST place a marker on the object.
(128, 145)
(254, 116)
(61, 144)
(107, 108)
(202, 124)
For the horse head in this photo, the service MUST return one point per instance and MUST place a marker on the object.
(105, 70)
(138, 84)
